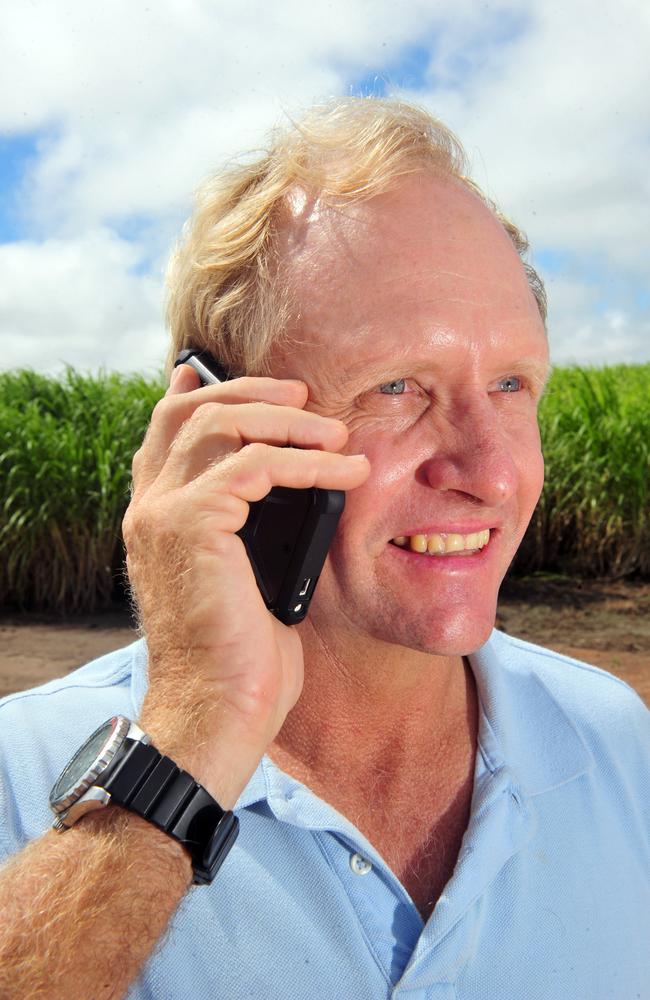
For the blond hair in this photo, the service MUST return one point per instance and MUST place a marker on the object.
(224, 290)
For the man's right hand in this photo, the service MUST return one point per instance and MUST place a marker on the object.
(223, 671)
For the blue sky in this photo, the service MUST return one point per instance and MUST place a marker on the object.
(17, 152)
(111, 116)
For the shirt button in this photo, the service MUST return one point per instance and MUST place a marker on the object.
(360, 865)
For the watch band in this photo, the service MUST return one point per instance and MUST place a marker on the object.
(153, 786)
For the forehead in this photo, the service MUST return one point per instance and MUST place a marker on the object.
(423, 265)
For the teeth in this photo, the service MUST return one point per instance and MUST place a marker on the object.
(435, 545)
(418, 543)
(444, 543)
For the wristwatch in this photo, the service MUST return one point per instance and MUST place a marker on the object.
(118, 765)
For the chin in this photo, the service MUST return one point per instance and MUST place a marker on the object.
(456, 631)
(455, 628)
(454, 636)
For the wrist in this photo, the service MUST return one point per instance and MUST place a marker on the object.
(119, 765)
(222, 758)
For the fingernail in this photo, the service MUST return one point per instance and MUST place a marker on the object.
(359, 457)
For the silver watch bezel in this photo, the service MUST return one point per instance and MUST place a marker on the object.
(122, 728)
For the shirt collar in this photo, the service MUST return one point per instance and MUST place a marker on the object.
(522, 726)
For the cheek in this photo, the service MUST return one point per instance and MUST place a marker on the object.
(390, 460)
(530, 466)
(390, 466)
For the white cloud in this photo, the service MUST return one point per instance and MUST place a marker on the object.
(560, 130)
(559, 134)
(614, 338)
(79, 301)
(147, 99)
(582, 331)
(137, 102)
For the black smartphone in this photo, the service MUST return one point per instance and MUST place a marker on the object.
(288, 533)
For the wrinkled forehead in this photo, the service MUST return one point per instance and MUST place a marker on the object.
(426, 252)
(421, 212)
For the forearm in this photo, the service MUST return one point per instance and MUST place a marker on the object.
(82, 911)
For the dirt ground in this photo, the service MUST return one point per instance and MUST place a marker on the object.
(603, 623)
(607, 624)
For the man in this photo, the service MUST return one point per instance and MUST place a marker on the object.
(427, 808)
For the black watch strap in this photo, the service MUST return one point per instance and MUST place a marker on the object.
(153, 786)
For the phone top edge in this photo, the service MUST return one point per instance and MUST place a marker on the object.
(322, 501)
(210, 371)
(328, 501)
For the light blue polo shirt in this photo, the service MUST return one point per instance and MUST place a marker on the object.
(549, 899)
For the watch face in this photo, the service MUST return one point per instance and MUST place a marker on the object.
(83, 761)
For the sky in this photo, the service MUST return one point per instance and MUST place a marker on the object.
(112, 113)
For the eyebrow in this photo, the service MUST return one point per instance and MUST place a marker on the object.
(539, 372)
(371, 373)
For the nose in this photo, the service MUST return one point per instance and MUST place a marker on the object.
(473, 455)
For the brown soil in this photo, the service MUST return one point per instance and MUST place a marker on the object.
(35, 649)
(607, 624)
(603, 623)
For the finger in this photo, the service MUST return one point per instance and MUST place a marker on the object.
(251, 473)
(248, 388)
(183, 379)
(215, 431)
(182, 400)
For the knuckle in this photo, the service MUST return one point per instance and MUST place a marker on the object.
(257, 452)
(136, 461)
(260, 406)
(127, 521)
(247, 470)
(209, 408)
(133, 515)
(137, 520)
(233, 507)
(210, 413)
(129, 526)
(162, 408)
(224, 544)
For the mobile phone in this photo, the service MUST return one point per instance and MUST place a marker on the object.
(288, 533)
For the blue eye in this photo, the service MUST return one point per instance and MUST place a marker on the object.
(511, 384)
(395, 388)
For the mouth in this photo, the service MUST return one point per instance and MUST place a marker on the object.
(441, 545)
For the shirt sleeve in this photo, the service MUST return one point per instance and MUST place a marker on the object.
(40, 730)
